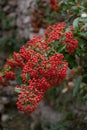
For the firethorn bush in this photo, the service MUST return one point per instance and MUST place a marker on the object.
(41, 63)
(74, 14)
(57, 57)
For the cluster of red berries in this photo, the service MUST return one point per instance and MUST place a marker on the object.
(53, 4)
(39, 74)
(70, 42)
(58, 32)
(40, 69)
(7, 75)
(55, 32)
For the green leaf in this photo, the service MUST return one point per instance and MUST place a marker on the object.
(84, 27)
(61, 48)
(83, 20)
(27, 76)
(74, 7)
(84, 34)
(76, 22)
(78, 8)
(77, 85)
(81, 42)
(17, 90)
(61, 2)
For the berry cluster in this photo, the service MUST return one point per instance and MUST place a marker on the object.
(6, 76)
(70, 42)
(55, 32)
(40, 69)
(53, 4)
